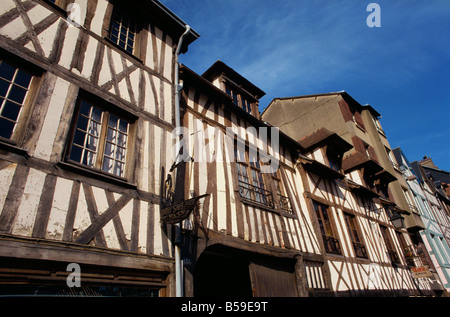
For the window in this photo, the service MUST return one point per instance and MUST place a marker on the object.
(329, 239)
(357, 119)
(283, 200)
(15, 86)
(389, 245)
(251, 184)
(407, 250)
(239, 99)
(100, 139)
(334, 159)
(358, 246)
(123, 30)
(391, 157)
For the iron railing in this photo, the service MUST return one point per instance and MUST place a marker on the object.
(394, 257)
(285, 204)
(332, 244)
(360, 250)
(256, 194)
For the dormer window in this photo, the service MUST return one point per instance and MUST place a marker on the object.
(239, 99)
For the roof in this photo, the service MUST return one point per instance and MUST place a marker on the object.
(165, 19)
(349, 99)
(322, 137)
(220, 67)
(192, 77)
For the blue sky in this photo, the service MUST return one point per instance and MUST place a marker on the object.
(300, 47)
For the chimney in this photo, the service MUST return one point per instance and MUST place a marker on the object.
(427, 161)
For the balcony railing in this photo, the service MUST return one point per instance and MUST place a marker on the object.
(331, 244)
(394, 257)
(256, 194)
(360, 250)
(285, 204)
(408, 252)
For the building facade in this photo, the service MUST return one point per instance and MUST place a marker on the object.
(87, 113)
(306, 229)
(433, 239)
(90, 99)
(358, 125)
(369, 163)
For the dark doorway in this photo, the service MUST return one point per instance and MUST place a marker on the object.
(221, 272)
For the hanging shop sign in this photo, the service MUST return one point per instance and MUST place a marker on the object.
(179, 211)
(421, 271)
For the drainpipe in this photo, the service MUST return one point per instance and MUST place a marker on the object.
(178, 87)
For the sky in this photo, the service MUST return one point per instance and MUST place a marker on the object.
(301, 47)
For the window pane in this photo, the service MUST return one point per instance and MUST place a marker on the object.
(120, 154)
(85, 109)
(4, 85)
(94, 128)
(75, 153)
(7, 71)
(109, 149)
(85, 141)
(92, 143)
(79, 137)
(113, 121)
(17, 94)
(107, 165)
(23, 79)
(118, 169)
(111, 135)
(115, 147)
(12, 96)
(6, 128)
(239, 155)
(11, 110)
(82, 123)
(96, 114)
(122, 140)
(89, 158)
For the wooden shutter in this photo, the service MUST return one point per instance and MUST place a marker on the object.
(372, 153)
(359, 120)
(273, 279)
(358, 144)
(345, 109)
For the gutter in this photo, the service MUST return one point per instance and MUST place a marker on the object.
(178, 88)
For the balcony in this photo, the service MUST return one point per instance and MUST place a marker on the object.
(332, 244)
(256, 194)
(285, 204)
(360, 250)
(408, 252)
(393, 256)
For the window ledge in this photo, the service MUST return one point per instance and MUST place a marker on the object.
(10, 146)
(97, 174)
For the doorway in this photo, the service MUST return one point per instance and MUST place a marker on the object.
(221, 271)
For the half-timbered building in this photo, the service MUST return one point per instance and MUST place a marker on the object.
(362, 221)
(433, 241)
(304, 229)
(87, 111)
(90, 185)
